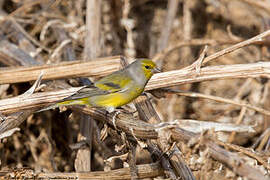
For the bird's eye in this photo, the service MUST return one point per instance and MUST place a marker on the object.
(147, 67)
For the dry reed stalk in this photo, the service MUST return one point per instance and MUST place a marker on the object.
(160, 80)
(144, 171)
(140, 129)
(97, 68)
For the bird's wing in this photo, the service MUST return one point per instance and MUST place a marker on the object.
(87, 91)
(116, 82)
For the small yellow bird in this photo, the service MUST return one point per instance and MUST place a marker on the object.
(114, 90)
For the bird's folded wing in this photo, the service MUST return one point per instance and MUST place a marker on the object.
(117, 82)
(87, 91)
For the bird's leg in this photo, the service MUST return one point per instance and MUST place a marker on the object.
(115, 114)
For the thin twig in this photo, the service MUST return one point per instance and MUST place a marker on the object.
(254, 40)
(248, 152)
(239, 120)
(224, 100)
(192, 42)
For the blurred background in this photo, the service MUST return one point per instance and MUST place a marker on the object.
(51, 31)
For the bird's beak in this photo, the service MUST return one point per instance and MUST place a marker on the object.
(156, 70)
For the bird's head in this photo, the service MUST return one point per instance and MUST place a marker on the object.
(148, 67)
(142, 70)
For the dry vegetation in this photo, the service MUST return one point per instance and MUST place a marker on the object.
(207, 116)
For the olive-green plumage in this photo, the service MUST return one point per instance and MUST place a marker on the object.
(116, 89)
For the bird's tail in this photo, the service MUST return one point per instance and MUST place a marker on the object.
(64, 103)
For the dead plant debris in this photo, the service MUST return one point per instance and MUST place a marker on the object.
(206, 116)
